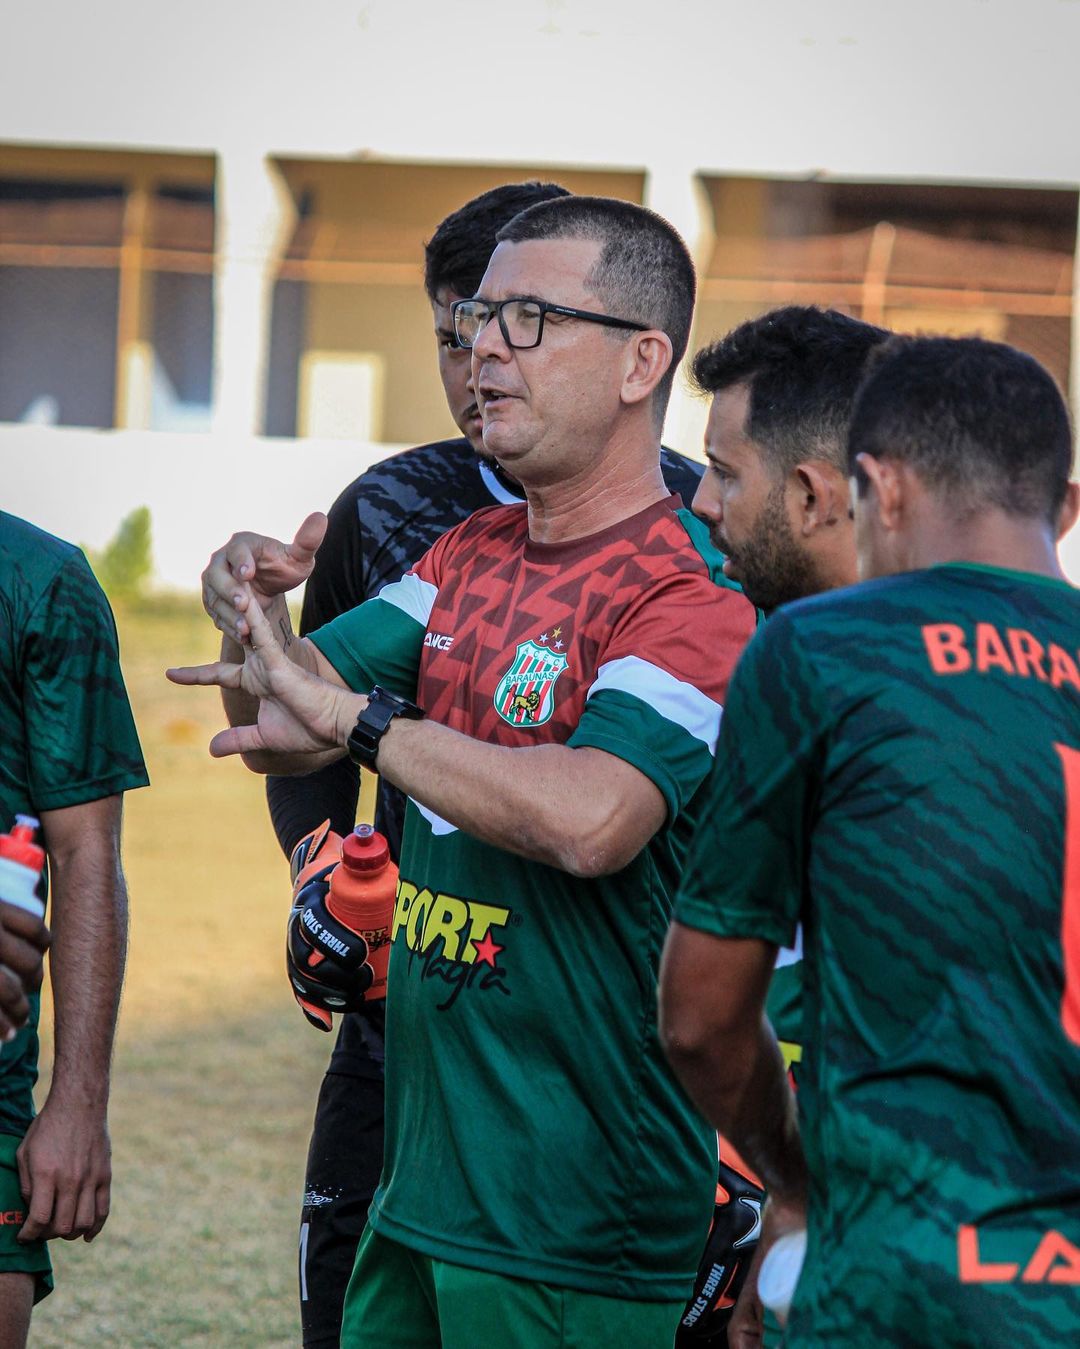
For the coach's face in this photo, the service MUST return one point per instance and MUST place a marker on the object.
(455, 371)
(546, 409)
(747, 506)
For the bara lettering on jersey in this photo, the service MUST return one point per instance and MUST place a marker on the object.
(453, 939)
(1017, 652)
(525, 695)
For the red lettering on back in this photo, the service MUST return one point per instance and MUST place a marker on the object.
(1062, 667)
(990, 650)
(945, 645)
(972, 1269)
(1056, 1260)
(1028, 653)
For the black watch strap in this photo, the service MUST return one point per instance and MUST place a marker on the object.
(382, 708)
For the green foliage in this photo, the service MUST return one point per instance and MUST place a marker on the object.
(125, 563)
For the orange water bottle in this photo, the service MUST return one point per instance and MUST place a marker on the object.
(362, 890)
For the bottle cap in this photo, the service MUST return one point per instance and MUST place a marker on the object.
(365, 849)
(19, 845)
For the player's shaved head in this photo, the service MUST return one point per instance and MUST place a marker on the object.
(979, 422)
(802, 366)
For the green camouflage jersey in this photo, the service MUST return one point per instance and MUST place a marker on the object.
(533, 1128)
(66, 731)
(899, 769)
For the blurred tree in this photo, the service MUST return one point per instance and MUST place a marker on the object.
(124, 565)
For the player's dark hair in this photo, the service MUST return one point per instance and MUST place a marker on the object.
(644, 271)
(803, 366)
(979, 421)
(457, 255)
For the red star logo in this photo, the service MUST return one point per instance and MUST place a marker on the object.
(487, 950)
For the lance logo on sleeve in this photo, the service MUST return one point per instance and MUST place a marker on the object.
(526, 693)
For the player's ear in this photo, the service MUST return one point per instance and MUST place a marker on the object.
(886, 486)
(1070, 509)
(648, 358)
(822, 495)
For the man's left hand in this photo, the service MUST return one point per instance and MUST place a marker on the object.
(65, 1172)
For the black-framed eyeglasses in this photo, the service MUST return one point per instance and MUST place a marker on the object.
(521, 321)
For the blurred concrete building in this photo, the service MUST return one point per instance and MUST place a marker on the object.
(212, 219)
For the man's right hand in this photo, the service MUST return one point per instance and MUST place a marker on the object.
(24, 939)
(268, 566)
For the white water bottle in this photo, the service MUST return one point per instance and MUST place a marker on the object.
(779, 1273)
(21, 861)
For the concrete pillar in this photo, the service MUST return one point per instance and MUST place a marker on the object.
(255, 217)
(676, 192)
(134, 335)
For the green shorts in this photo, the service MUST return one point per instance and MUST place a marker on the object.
(399, 1299)
(18, 1257)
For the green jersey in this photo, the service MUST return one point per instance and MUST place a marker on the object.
(899, 769)
(66, 730)
(533, 1128)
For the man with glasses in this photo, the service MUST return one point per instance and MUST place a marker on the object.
(546, 685)
(379, 526)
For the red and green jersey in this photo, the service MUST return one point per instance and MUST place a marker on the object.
(899, 768)
(533, 1128)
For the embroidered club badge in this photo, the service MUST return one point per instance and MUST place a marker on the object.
(526, 693)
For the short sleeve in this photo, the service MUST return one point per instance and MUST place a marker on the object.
(747, 860)
(381, 641)
(81, 739)
(662, 681)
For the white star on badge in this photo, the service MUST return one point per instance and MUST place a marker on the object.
(543, 637)
(558, 645)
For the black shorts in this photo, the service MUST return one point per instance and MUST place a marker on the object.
(344, 1163)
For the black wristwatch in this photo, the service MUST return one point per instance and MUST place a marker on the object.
(382, 708)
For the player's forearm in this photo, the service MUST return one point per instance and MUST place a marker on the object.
(89, 924)
(739, 1084)
(550, 804)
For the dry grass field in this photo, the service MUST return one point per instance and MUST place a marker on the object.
(216, 1071)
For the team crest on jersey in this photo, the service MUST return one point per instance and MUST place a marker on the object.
(526, 692)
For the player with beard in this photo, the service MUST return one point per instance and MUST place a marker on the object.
(379, 526)
(775, 493)
(899, 770)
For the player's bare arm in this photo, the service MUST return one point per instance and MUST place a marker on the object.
(24, 939)
(723, 1050)
(582, 810)
(64, 1162)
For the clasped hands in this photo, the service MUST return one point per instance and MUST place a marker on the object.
(295, 711)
